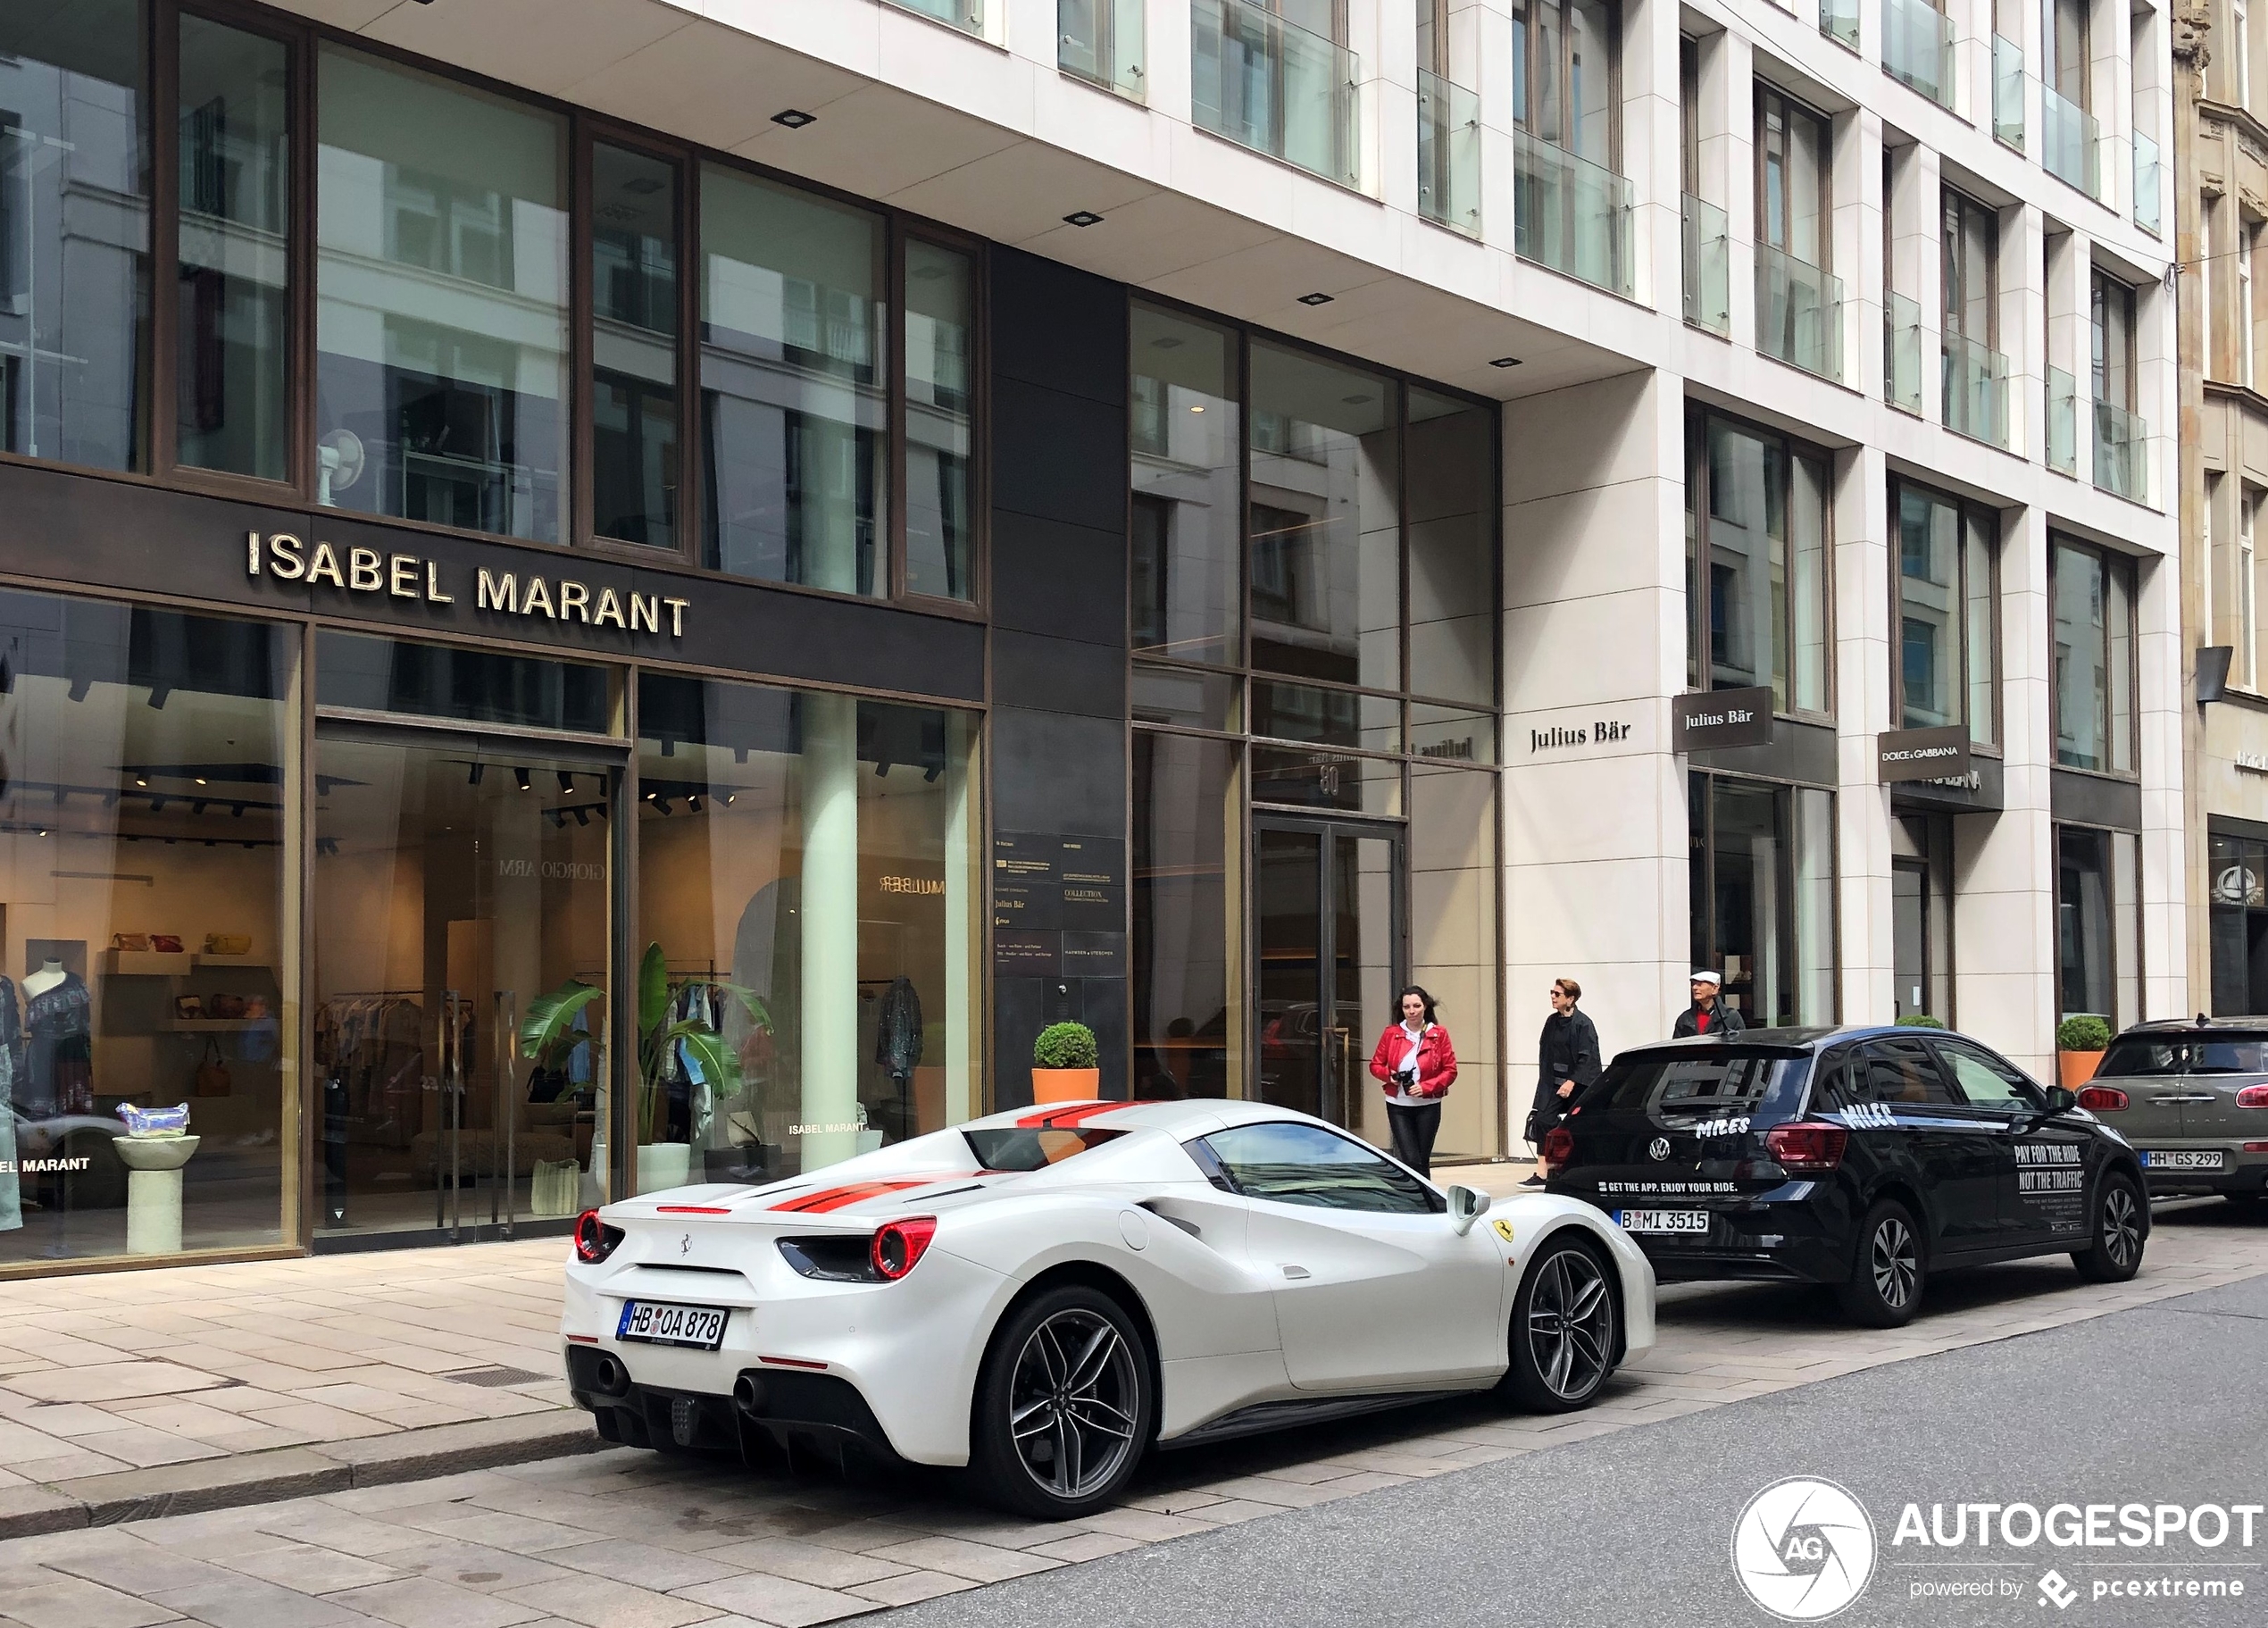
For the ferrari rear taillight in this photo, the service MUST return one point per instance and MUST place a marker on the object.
(1807, 1144)
(2102, 1100)
(2253, 1097)
(594, 1240)
(900, 1245)
(1559, 1144)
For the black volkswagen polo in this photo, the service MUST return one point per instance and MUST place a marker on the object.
(1866, 1158)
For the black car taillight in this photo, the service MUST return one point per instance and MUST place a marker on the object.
(1807, 1144)
(594, 1240)
(2103, 1099)
(1559, 1144)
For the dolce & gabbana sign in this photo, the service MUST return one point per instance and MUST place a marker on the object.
(388, 574)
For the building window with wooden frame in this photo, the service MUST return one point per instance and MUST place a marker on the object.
(1757, 550)
(1944, 614)
(1564, 75)
(2091, 628)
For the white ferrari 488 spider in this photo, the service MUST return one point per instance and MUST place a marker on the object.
(1045, 1294)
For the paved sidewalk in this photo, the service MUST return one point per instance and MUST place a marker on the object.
(620, 1539)
(190, 1387)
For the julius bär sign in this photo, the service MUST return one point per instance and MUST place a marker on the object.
(394, 575)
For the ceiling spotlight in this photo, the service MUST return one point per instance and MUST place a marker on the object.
(567, 782)
(663, 805)
(693, 802)
(794, 118)
(652, 795)
(729, 798)
(200, 779)
(1316, 298)
(582, 816)
(1082, 217)
(473, 778)
(521, 775)
(141, 780)
(1196, 406)
(1505, 362)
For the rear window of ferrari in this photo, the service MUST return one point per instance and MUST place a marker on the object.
(1033, 1147)
(1763, 1086)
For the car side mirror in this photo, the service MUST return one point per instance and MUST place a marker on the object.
(2060, 1100)
(1465, 1207)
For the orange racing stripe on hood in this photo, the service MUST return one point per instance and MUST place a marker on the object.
(837, 1197)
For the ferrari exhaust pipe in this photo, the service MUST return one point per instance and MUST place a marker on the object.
(612, 1377)
(748, 1395)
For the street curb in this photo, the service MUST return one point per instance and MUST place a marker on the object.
(292, 1472)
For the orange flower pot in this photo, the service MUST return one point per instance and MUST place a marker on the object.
(1066, 1085)
(2076, 1068)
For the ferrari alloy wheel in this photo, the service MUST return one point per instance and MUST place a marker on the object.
(1064, 1407)
(1885, 1286)
(2116, 1254)
(1563, 1329)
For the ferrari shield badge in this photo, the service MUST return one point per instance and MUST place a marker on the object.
(1503, 1228)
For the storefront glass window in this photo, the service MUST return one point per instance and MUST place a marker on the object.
(148, 835)
(441, 308)
(231, 353)
(1188, 460)
(1762, 875)
(1187, 906)
(2097, 923)
(2094, 636)
(2238, 893)
(74, 232)
(1325, 521)
(634, 334)
(1453, 886)
(1757, 565)
(1453, 529)
(362, 673)
(808, 879)
(940, 435)
(795, 402)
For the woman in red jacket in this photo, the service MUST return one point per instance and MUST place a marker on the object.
(1416, 1064)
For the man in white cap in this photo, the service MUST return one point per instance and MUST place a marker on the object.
(1708, 1013)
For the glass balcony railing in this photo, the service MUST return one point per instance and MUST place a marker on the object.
(1274, 87)
(2070, 143)
(964, 14)
(1448, 154)
(2008, 92)
(1799, 313)
(1708, 266)
(2062, 423)
(1902, 353)
(1571, 214)
(1838, 21)
(2148, 172)
(2122, 453)
(1976, 391)
(1100, 41)
(1917, 48)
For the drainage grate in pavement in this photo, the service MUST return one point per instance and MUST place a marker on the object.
(498, 1379)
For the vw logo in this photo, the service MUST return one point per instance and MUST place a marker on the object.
(1803, 1549)
(1658, 1149)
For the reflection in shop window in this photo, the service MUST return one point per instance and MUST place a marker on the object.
(1761, 874)
(1186, 466)
(74, 232)
(2238, 895)
(2098, 923)
(1757, 565)
(2092, 593)
(441, 283)
(1188, 980)
(148, 951)
(807, 864)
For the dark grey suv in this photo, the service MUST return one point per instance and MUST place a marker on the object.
(2192, 1097)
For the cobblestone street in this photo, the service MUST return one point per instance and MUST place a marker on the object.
(622, 1538)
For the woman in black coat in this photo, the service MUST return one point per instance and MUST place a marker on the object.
(1567, 1063)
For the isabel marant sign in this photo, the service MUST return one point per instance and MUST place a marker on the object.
(414, 577)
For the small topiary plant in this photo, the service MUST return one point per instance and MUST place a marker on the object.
(2085, 1031)
(1066, 1045)
(1919, 1020)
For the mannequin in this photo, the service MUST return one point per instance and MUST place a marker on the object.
(58, 1015)
(10, 1067)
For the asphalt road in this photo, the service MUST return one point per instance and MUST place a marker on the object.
(2164, 1404)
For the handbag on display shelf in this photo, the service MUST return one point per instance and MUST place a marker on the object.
(211, 1073)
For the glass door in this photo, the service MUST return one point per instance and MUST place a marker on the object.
(1909, 935)
(463, 911)
(1329, 957)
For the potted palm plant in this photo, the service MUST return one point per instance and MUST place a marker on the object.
(2080, 1041)
(1066, 1065)
(550, 1033)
